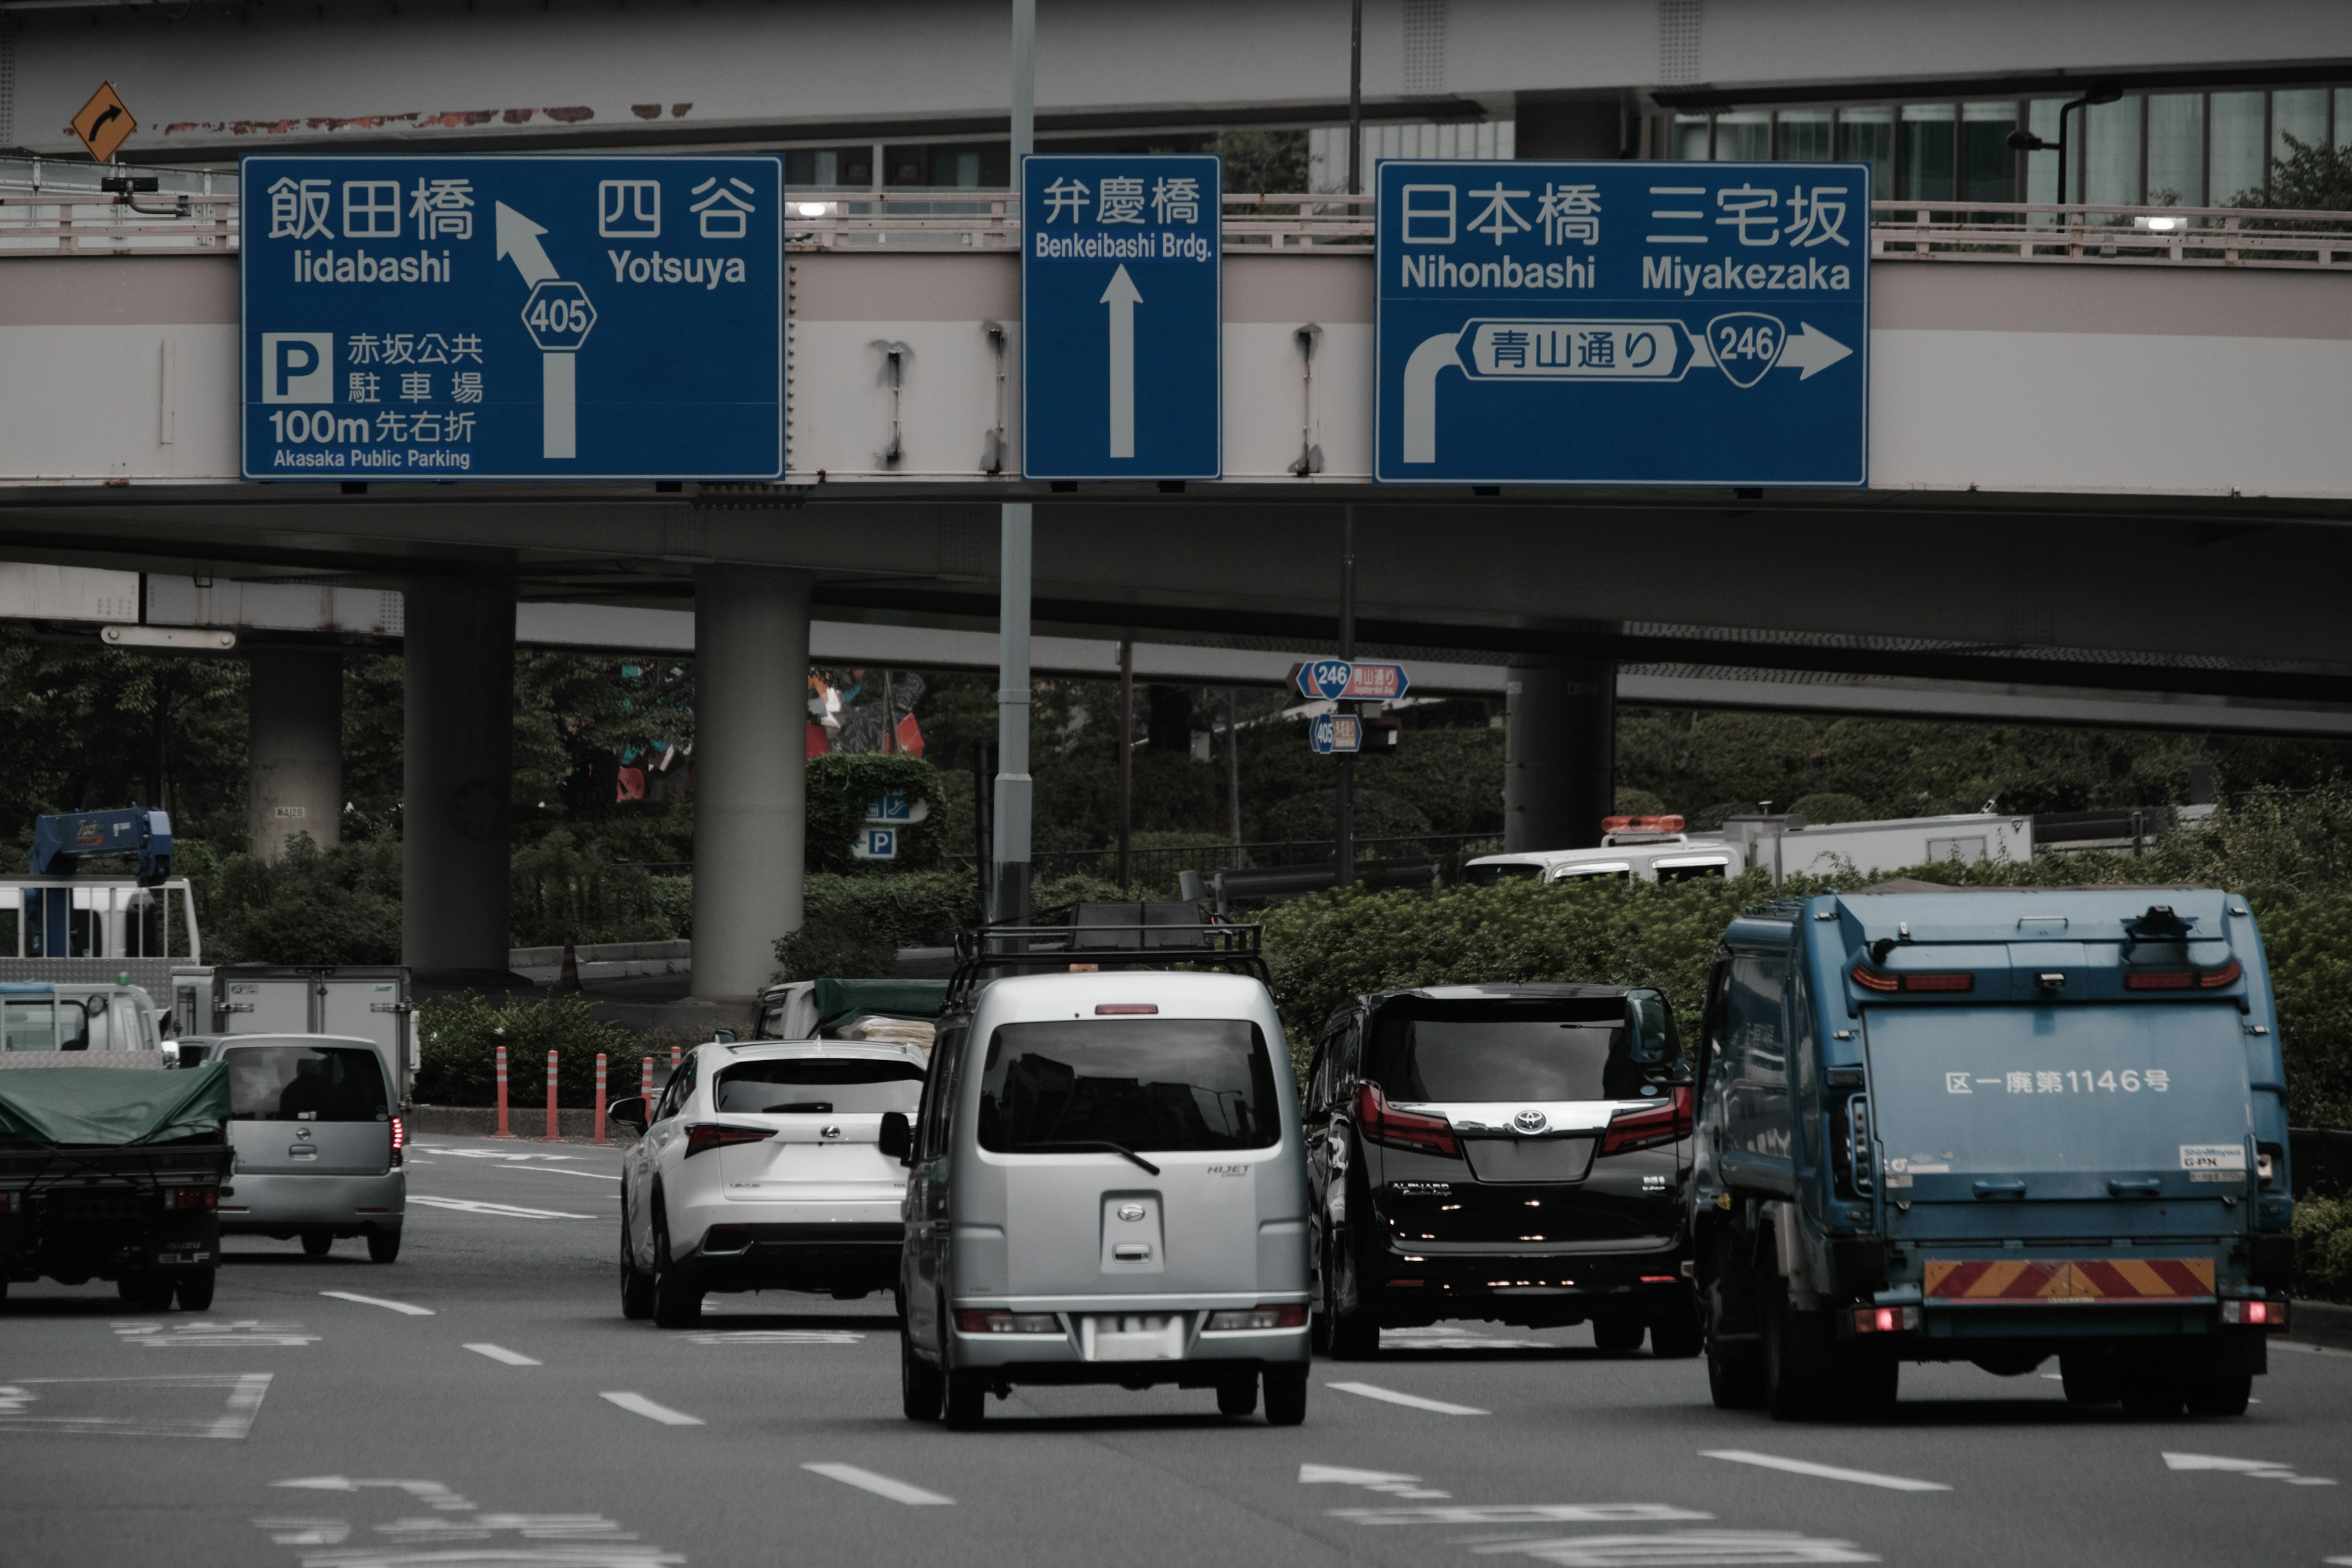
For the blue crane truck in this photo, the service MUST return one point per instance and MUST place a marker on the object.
(1991, 1126)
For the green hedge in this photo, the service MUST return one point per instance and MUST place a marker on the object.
(460, 1036)
(840, 786)
(2322, 1247)
(853, 927)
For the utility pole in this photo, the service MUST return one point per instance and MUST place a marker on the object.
(1010, 899)
(1125, 752)
(1343, 852)
(1234, 770)
(1355, 98)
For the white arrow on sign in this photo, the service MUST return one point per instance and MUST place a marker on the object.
(1122, 299)
(1809, 350)
(559, 390)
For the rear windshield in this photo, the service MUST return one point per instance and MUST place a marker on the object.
(1168, 1084)
(41, 1025)
(819, 1087)
(1487, 876)
(305, 1083)
(1566, 1048)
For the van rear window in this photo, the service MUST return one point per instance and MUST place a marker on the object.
(1434, 1052)
(814, 1086)
(305, 1083)
(1144, 1083)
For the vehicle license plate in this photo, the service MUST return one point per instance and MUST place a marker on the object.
(1132, 1336)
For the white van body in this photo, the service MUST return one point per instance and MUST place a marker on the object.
(1629, 857)
(1869, 848)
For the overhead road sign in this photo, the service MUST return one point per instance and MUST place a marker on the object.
(1624, 323)
(1344, 681)
(104, 124)
(1122, 311)
(513, 318)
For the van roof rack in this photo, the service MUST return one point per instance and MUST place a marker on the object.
(1142, 935)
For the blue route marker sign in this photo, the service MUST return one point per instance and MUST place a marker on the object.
(1122, 311)
(1624, 323)
(513, 318)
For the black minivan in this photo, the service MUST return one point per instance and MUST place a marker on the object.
(1518, 1154)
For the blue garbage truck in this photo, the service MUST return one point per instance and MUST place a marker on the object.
(1993, 1126)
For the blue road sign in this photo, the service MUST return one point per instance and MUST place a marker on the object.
(1330, 733)
(1338, 680)
(1624, 323)
(888, 806)
(1122, 313)
(513, 318)
(876, 844)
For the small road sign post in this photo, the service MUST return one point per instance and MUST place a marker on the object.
(513, 318)
(1122, 318)
(1350, 681)
(1342, 733)
(1624, 323)
(104, 124)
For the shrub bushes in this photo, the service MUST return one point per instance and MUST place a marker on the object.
(460, 1036)
(839, 787)
(2322, 1247)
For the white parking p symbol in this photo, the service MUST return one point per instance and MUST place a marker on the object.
(297, 368)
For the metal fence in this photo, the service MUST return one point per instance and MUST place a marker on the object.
(1154, 870)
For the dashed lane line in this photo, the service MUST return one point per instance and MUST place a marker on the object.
(401, 1307)
(501, 1211)
(500, 1353)
(558, 1171)
(880, 1486)
(1825, 1472)
(639, 1404)
(1412, 1401)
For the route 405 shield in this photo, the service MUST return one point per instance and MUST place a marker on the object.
(1621, 323)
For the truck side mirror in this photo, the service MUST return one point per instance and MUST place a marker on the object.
(897, 1137)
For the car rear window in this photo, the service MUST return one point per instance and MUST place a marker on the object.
(818, 1086)
(1460, 1052)
(305, 1083)
(1144, 1083)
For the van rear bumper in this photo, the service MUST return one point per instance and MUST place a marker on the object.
(351, 1205)
(1057, 1358)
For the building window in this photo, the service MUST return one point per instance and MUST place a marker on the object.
(829, 168)
(1988, 163)
(2111, 152)
(2302, 114)
(1867, 136)
(1926, 170)
(1743, 135)
(1803, 135)
(949, 165)
(2238, 132)
(2175, 149)
(1690, 138)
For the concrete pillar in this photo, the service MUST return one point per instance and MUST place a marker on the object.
(457, 774)
(750, 787)
(295, 745)
(1559, 766)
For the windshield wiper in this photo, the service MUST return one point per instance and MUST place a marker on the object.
(1088, 1146)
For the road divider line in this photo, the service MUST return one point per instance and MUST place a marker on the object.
(558, 1171)
(401, 1307)
(880, 1486)
(637, 1403)
(501, 1353)
(1825, 1472)
(1412, 1401)
(502, 1211)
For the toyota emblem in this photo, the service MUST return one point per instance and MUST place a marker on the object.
(1530, 1122)
(1130, 1212)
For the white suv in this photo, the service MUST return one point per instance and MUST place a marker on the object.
(759, 1170)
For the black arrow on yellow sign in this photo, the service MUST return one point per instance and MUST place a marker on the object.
(104, 124)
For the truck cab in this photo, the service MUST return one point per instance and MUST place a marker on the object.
(1994, 1126)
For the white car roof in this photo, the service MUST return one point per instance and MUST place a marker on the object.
(1183, 995)
(769, 1050)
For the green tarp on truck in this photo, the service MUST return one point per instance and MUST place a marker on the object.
(112, 1108)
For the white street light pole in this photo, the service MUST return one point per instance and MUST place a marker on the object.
(1010, 888)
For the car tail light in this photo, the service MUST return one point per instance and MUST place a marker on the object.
(1381, 1123)
(701, 1135)
(1290, 1315)
(991, 1322)
(1879, 980)
(1651, 1125)
(191, 1197)
(1124, 1009)
(400, 1139)
(1885, 1320)
(2256, 1314)
(1661, 1278)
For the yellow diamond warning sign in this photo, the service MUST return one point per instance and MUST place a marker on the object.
(104, 124)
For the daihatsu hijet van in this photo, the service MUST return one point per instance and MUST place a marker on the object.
(1107, 1186)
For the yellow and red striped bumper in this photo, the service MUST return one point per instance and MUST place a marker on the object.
(2046, 1279)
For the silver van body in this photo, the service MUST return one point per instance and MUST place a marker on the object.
(1076, 1265)
(334, 1169)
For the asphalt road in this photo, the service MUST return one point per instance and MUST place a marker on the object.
(510, 1416)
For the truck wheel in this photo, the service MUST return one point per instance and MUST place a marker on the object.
(2089, 1379)
(195, 1289)
(2153, 1395)
(1285, 1397)
(315, 1243)
(1238, 1396)
(921, 1388)
(150, 1290)
(967, 1402)
(676, 1304)
(1790, 1394)
(1734, 1380)
(1676, 1336)
(1865, 1388)
(383, 1245)
(2223, 1395)
(1619, 1335)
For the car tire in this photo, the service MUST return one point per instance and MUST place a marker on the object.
(2089, 1379)
(922, 1390)
(2226, 1394)
(316, 1243)
(677, 1303)
(1620, 1335)
(1735, 1378)
(194, 1290)
(1238, 1396)
(384, 1246)
(1676, 1336)
(636, 1285)
(967, 1402)
(2154, 1394)
(1285, 1397)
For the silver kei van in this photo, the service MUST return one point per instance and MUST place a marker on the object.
(1107, 1186)
(315, 1120)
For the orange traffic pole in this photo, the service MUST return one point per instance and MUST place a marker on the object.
(502, 1132)
(554, 1134)
(599, 1097)
(646, 1083)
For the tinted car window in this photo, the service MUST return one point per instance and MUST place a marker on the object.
(305, 1083)
(1167, 1084)
(819, 1088)
(1470, 1051)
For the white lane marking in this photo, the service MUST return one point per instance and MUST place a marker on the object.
(1386, 1481)
(401, 1307)
(492, 1153)
(1826, 1472)
(212, 1334)
(2256, 1469)
(1522, 1514)
(639, 1405)
(134, 1406)
(559, 1170)
(1414, 1400)
(432, 1494)
(1684, 1549)
(880, 1486)
(774, 1337)
(501, 1353)
(503, 1211)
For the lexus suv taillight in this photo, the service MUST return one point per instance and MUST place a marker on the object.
(1381, 1122)
(701, 1135)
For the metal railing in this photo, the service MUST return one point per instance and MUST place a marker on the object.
(48, 208)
